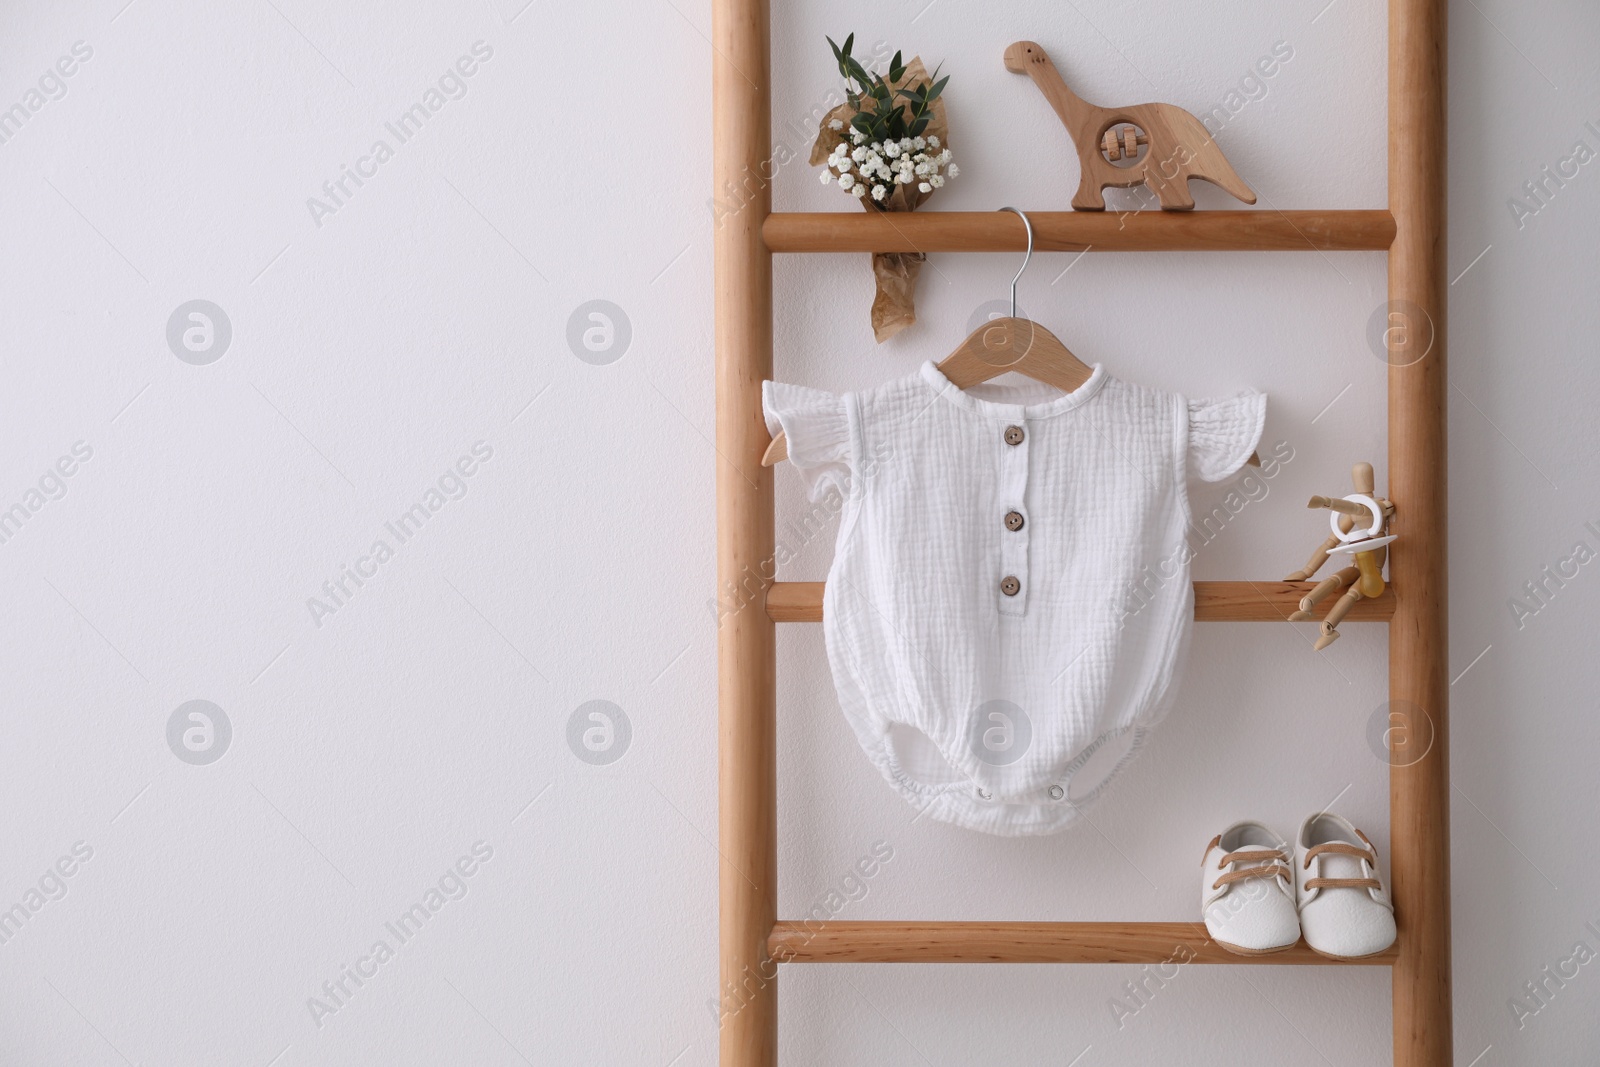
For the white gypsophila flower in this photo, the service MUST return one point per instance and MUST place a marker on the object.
(933, 141)
(847, 181)
(952, 170)
(826, 177)
(859, 154)
(922, 168)
(860, 189)
(857, 137)
(891, 149)
(905, 143)
(936, 181)
(919, 142)
(924, 187)
(836, 124)
(944, 157)
(879, 192)
(841, 163)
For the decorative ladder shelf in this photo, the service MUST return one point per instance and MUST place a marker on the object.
(1411, 231)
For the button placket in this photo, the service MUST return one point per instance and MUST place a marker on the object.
(1009, 522)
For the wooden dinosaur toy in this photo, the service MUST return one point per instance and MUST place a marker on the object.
(1159, 145)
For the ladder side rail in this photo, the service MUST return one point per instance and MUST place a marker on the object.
(1419, 782)
(746, 669)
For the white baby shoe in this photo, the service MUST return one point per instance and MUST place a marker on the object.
(1345, 910)
(1247, 891)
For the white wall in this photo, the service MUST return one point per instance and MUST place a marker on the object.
(374, 746)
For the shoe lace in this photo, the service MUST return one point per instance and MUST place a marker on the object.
(1338, 848)
(1272, 863)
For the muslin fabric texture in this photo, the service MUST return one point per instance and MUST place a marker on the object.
(1009, 600)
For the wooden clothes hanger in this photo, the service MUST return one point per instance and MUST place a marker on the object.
(1015, 344)
(997, 347)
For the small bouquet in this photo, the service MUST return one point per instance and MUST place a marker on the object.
(885, 145)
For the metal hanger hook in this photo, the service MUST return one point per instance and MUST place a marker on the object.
(1029, 227)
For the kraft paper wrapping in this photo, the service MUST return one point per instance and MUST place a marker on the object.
(894, 302)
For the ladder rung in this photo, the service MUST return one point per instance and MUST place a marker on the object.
(801, 941)
(1213, 602)
(1075, 231)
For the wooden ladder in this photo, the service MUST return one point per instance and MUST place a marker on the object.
(753, 939)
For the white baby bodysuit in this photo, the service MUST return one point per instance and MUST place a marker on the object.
(1010, 590)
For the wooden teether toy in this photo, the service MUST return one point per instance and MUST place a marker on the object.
(1160, 146)
(1360, 523)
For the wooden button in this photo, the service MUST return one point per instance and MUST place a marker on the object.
(1013, 435)
(1014, 521)
(1010, 586)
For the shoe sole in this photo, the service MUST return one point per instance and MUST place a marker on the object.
(1240, 950)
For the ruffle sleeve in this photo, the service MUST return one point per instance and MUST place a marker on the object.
(817, 426)
(1223, 433)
